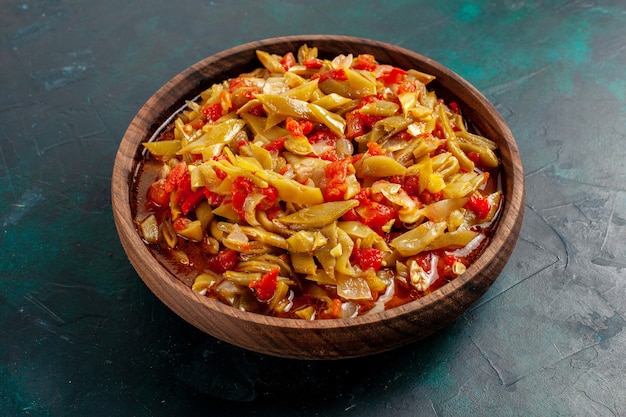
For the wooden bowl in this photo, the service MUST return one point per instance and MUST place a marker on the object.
(320, 339)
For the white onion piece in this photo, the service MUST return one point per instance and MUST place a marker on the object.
(349, 310)
(249, 208)
(322, 147)
(237, 236)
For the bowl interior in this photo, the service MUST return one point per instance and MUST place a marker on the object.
(325, 339)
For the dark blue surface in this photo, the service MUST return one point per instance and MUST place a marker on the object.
(80, 334)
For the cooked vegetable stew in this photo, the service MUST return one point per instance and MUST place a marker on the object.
(312, 188)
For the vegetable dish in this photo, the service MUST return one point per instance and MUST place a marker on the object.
(315, 188)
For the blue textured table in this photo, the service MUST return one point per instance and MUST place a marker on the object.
(80, 334)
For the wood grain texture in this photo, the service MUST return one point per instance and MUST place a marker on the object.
(328, 339)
